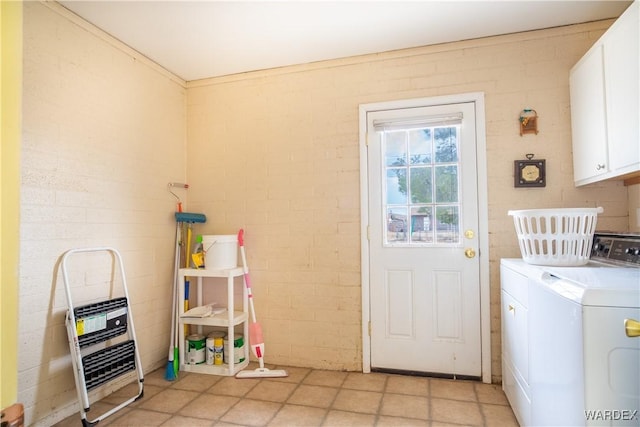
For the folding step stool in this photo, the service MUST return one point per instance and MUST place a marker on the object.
(100, 352)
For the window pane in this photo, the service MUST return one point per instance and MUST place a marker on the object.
(421, 224)
(395, 148)
(420, 146)
(396, 186)
(446, 184)
(421, 189)
(446, 144)
(422, 185)
(397, 225)
(447, 224)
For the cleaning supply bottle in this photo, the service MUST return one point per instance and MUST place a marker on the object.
(218, 351)
(197, 256)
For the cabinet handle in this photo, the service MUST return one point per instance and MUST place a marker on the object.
(600, 166)
(512, 309)
(632, 328)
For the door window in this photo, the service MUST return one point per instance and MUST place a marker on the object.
(421, 198)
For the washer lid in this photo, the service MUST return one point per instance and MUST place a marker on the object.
(597, 285)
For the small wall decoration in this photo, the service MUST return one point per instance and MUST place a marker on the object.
(530, 172)
(528, 121)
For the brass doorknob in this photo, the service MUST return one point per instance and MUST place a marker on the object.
(469, 253)
(632, 328)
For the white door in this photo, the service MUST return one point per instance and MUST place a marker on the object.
(423, 240)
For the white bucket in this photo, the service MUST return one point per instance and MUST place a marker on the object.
(220, 252)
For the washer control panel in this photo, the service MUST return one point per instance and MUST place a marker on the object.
(618, 249)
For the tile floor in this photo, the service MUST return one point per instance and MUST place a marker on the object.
(308, 397)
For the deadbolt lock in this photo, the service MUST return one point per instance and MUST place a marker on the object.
(469, 253)
(469, 234)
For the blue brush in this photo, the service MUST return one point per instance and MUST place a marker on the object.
(190, 217)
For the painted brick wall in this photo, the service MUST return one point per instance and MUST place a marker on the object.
(277, 152)
(634, 208)
(103, 135)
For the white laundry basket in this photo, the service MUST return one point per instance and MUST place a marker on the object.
(557, 237)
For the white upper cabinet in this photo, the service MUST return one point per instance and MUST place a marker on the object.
(605, 113)
(588, 117)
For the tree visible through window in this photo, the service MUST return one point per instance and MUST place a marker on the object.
(422, 179)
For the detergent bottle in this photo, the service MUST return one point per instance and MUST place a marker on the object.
(197, 256)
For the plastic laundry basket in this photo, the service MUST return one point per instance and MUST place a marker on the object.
(557, 237)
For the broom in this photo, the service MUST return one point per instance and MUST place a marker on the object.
(171, 371)
(173, 363)
(255, 329)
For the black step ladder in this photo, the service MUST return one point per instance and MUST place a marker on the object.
(102, 339)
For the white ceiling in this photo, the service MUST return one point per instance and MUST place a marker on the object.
(200, 39)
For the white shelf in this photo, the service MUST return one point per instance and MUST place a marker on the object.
(224, 369)
(228, 319)
(201, 272)
(221, 319)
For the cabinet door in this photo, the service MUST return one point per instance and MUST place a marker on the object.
(588, 117)
(515, 336)
(622, 92)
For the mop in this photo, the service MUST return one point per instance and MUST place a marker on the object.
(173, 364)
(255, 329)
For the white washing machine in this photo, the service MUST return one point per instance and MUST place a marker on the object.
(584, 337)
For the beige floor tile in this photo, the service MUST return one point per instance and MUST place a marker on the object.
(452, 389)
(195, 382)
(456, 411)
(169, 400)
(75, 420)
(491, 393)
(326, 378)
(307, 397)
(157, 378)
(272, 391)
(311, 395)
(180, 421)
(296, 375)
(107, 421)
(295, 415)
(385, 421)
(71, 421)
(399, 405)
(131, 390)
(209, 406)
(368, 382)
(140, 417)
(443, 424)
(367, 402)
(252, 413)
(340, 418)
(231, 386)
(401, 384)
(498, 415)
(97, 410)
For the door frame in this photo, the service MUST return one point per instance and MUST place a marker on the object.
(483, 221)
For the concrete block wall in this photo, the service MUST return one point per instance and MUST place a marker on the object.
(103, 135)
(276, 152)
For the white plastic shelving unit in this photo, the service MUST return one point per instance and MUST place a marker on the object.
(229, 319)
